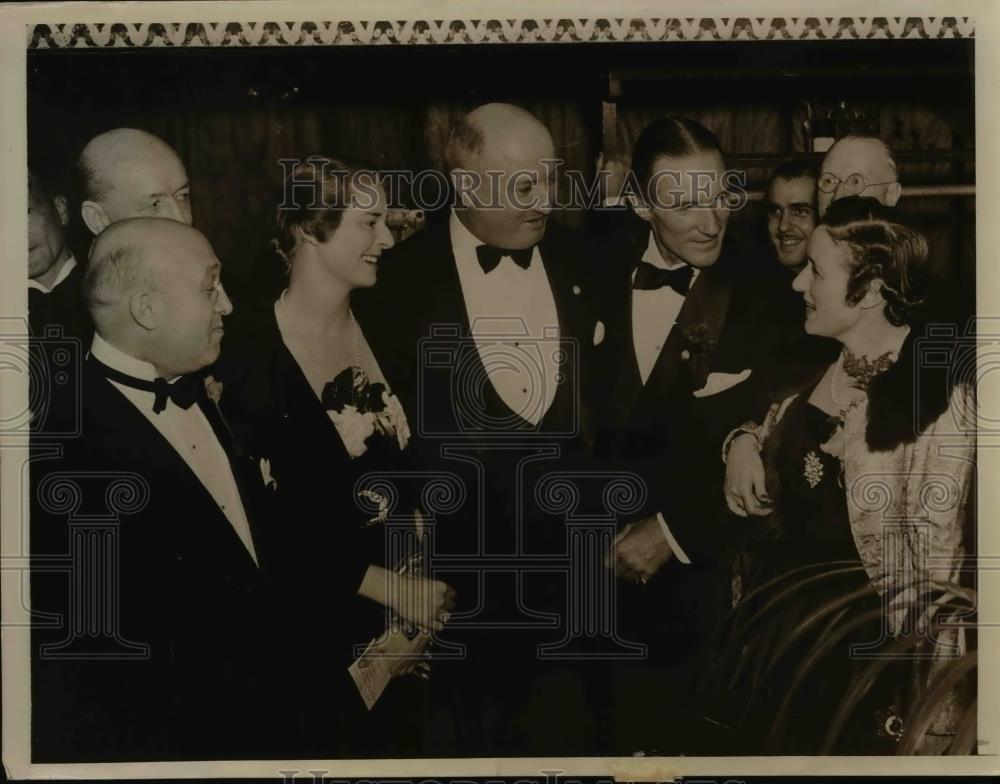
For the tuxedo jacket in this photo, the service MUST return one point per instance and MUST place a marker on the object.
(186, 666)
(417, 309)
(670, 429)
(417, 314)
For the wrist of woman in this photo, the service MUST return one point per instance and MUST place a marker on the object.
(378, 584)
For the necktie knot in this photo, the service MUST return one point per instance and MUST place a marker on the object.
(648, 276)
(489, 257)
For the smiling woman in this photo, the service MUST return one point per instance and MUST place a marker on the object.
(872, 416)
(304, 387)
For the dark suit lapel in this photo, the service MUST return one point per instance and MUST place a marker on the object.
(246, 472)
(575, 323)
(694, 338)
(567, 291)
(621, 349)
(121, 429)
(444, 285)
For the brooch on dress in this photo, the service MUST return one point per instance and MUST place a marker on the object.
(813, 469)
(379, 501)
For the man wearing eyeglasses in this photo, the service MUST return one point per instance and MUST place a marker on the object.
(858, 166)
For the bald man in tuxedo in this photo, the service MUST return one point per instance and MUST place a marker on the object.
(193, 674)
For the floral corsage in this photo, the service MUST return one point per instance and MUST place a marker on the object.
(365, 414)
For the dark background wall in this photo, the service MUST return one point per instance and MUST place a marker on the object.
(232, 113)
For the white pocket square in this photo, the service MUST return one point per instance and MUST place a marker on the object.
(720, 382)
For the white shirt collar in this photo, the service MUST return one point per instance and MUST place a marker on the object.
(67, 268)
(116, 359)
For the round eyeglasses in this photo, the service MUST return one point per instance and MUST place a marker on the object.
(855, 183)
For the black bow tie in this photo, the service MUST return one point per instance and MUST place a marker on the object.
(648, 276)
(184, 392)
(489, 257)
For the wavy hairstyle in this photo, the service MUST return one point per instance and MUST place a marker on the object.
(881, 247)
(313, 198)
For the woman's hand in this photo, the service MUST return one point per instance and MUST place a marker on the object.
(415, 599)
(745, 491)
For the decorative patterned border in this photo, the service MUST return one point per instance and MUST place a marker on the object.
(474, 31)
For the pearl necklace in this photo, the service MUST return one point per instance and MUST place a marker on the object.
(834, 376)
(303, 341)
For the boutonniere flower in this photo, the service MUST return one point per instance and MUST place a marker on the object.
(213, 388)
(265, 474)
(700, 343)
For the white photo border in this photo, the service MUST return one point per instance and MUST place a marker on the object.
(428, 22)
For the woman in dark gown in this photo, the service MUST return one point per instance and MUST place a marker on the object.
(807, 534)
(860, 472)
(304, 390)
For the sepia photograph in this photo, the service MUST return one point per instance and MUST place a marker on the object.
(446, 385)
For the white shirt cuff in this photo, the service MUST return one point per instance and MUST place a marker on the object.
(678, 552)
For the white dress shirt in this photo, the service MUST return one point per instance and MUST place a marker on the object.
(188, 432)
(654, 313)
(514, 322)
(67, 268)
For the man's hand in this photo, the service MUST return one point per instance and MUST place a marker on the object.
(745, 491)
(639, 550)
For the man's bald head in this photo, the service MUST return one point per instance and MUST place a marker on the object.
(865, 156)
(153, 289)
(120, 263)
(502, 162)
(492, 126)
(128, 173)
